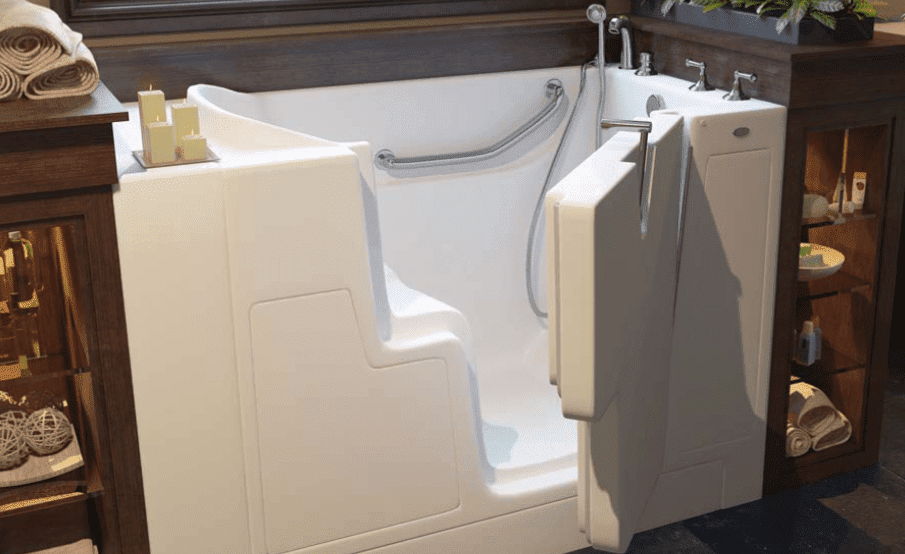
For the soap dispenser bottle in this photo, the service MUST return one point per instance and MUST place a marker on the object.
(818, 338)
(807, 349)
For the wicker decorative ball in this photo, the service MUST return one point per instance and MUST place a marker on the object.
(47, 431)
(13, 448)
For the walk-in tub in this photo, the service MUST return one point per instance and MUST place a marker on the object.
(329, 357)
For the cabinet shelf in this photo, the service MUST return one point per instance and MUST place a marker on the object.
(841, 282)
(36, 366)
(831, 361)
(848, 447)
(45, 495)
(813, 222)
(35, 379)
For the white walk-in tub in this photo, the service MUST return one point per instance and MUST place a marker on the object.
(332, 358)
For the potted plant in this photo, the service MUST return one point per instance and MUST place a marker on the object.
(791, 21)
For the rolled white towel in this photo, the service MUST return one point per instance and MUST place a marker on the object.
(797, 441)
(32, 36)
(10, 84)
(839, 431)
(810, 409)
(75, 75)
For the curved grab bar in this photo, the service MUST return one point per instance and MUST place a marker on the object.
(385, 159)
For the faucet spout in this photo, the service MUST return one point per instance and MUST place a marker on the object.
(627, 54)
(620, 25)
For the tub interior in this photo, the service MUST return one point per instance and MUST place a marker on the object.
(460, 233)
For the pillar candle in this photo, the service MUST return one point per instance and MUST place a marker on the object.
(185, 121)
(194, 147)
(152, 107)
(160, 139)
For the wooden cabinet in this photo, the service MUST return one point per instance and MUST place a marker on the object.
(64, 363)
(855, 304)
(859, 87)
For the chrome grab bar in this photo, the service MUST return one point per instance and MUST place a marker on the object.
(644, 128)
(385, 159)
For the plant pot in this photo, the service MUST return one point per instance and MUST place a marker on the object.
(809, 31)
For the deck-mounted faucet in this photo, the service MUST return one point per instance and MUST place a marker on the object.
(620, 25)
(736, 92)
(702, 84)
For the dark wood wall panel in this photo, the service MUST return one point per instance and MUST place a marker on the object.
(323, 59)
(103, 18)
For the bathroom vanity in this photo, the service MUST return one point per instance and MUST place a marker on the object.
(63, 346)
(859, 87)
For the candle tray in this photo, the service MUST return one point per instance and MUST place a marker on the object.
(139, 155)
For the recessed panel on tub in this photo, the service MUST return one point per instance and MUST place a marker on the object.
(345, 448)
(718, 329)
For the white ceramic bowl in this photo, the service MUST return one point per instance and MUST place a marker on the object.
(832, 262)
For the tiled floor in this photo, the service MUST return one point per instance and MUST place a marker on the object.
(862, 512)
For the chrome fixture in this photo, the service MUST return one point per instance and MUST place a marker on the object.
(597, 15)
(736, 92)
(540, 197)
(647, 65)
(620, 25)
(702, 83)
(385, 159)
(644, 128)
(654, 102)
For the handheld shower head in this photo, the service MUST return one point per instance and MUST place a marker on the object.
(596, 13)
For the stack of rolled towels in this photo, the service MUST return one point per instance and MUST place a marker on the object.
(41, 57)
(813, 421)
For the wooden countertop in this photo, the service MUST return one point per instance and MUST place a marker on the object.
(884, 45)
(25, 115)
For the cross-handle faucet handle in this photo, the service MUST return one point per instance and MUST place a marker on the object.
(647, 65)
(702, 83)
(736, 92)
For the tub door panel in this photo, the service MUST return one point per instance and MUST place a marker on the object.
(613, 274)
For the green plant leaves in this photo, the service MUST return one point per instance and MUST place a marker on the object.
(799, 10)
(826, 20)
(864, 8)
(793, 11)
(783, 21)
(712, 5)
(829, 6)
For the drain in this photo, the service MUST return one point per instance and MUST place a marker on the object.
(655, 102)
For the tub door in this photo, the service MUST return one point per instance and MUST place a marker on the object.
(612, 269)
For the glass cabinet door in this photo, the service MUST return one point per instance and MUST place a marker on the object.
(836, 292)
(46, 409)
